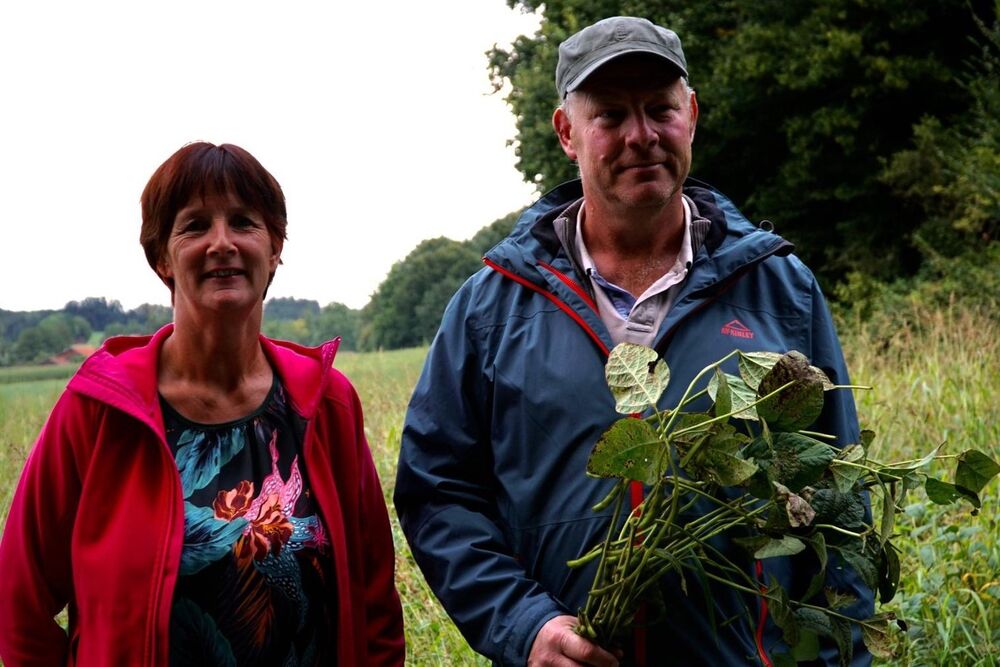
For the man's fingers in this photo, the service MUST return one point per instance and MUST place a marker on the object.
(584, 651)
(556, 645)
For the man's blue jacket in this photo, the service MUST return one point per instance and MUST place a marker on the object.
(491, 490)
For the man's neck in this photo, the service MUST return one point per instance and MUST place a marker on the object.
(632, 248)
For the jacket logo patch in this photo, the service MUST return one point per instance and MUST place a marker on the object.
(737, 329)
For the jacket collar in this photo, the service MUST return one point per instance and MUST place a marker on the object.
(123, 374)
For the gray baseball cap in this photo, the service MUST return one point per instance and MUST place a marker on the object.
(583, 53)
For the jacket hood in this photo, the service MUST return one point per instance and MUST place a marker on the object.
(123, 374)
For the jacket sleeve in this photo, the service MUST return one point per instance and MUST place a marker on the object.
(35, 570)
(385, 644)
(446, 500)
(839, 418)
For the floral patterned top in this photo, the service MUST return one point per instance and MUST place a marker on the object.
(255, 573)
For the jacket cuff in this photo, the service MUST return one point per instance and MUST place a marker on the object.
(525, 629)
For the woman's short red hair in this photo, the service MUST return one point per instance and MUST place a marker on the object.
(199, 169)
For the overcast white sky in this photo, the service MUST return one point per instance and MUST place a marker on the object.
(375, 118)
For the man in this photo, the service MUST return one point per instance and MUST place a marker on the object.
(491, 490)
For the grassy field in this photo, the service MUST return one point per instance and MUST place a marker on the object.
(936, 379)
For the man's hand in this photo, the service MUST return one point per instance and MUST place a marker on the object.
(556, 645)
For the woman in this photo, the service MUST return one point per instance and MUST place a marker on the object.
(203, 495)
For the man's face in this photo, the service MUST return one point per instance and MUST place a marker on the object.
(630, 127)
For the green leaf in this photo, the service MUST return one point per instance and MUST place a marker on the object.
(814, 620)
(943, 493)
(818, 544)
(888, 576)
(883, 637)
(741, 396)
(807, 648)
(636, 376)
(975, 470)
(844, 510)
(898, 471)
(728, 469)
(722, 395)
(781, 612)
(796, 460)
(755, 365)
(630, 449)
(783, 660)
(786, 546)
(867, 436)
(888, 521)
(798, 405)
(845, 474)
(863, 565)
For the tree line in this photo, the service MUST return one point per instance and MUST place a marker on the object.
(403, 312)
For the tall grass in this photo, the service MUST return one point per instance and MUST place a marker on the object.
(936, 378)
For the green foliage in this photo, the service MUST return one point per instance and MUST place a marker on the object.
(775, 483)
(802, 106)
(306, 323)
(952, 173)
(52, 334)
(287, 308)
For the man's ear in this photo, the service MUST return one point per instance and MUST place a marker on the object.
(562, 125)
(694, 113)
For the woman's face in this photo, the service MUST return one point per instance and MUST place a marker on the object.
(219, 256)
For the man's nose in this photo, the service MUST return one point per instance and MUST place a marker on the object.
(640, 131)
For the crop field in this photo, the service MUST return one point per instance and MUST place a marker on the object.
(936, 380)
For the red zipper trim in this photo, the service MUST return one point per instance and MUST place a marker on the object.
(570, 283)
(759, 567)
(554, 299)
(639, 632)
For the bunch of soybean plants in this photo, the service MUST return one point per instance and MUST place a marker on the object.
(773, 487)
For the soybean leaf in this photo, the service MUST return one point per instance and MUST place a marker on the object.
(786, 546)
(755, 365)
(867, 436)
(863, 565)
(798, 405)
(781, 612)
(975, 470)
(798, 510)
(888, 576)
(816, 621)
(630, 449)
(844, 473)
(741, 396)
(898, 471)
(807, 649)
(722, 395)
(717, 458)
(838, 599)
(943, 493)
(793, 459)
(824, 379)
(636, 376)
(728, 469)
(784, 660)
(882, 636)
(844, 510)
(888, 521)
(818, 544)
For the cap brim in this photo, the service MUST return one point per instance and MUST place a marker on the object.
(578, 80)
